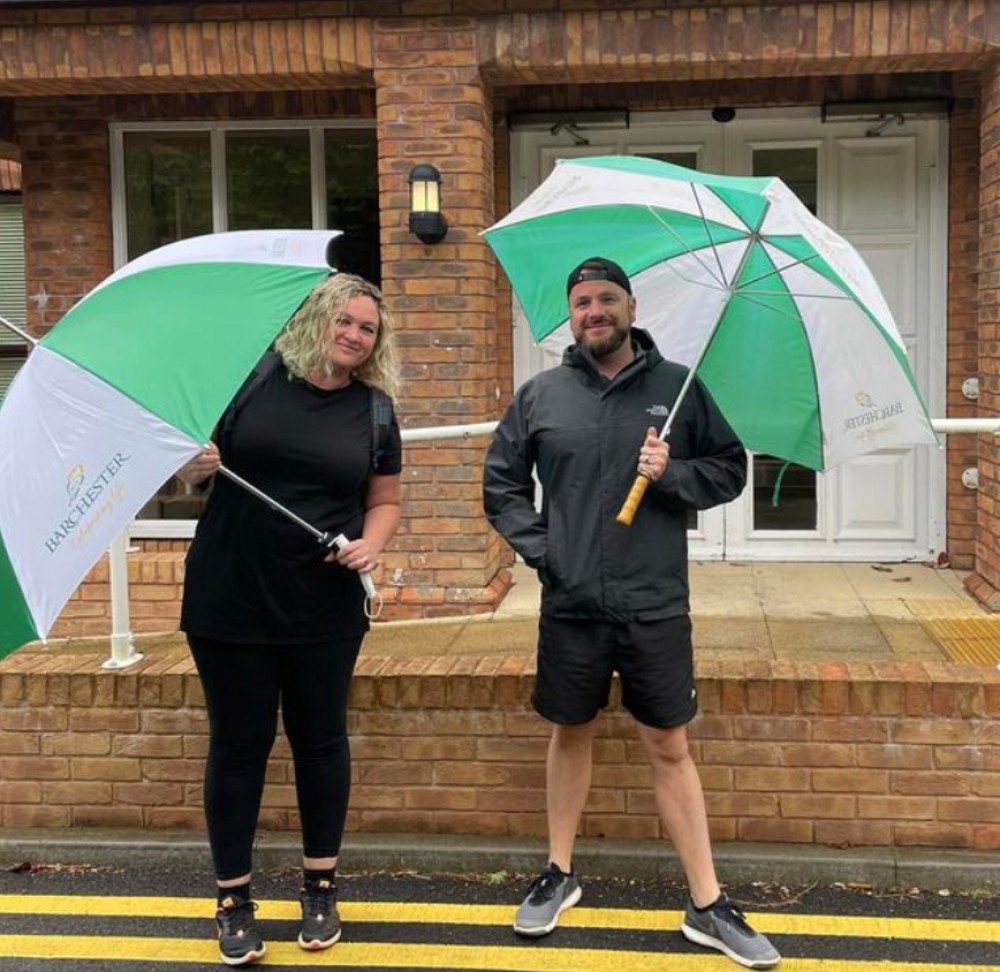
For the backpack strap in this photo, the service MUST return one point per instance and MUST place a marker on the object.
(264, 368)
(381, 410)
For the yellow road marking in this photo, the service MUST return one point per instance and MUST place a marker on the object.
(526, 958)
(395, 912)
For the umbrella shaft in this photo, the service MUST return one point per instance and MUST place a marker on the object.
(273, 503)
(692, 371)
(18, 331)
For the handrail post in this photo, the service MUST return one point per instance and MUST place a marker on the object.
(123, 651)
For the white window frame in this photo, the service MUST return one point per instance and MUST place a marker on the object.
(184, 529)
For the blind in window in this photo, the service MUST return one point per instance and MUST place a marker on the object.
(8, 368)
(12, 289)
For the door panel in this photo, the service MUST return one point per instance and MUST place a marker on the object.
(876, 189)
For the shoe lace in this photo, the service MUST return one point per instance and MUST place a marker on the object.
(731, 912)
(543, 888)
(319, 898)
(237, 919)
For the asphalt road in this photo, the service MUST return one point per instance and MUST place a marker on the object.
(57, 919)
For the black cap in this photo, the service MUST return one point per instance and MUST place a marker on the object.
(598, 268)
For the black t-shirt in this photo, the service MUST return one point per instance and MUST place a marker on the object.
(252, 575)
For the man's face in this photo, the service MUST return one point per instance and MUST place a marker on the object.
(600, 315)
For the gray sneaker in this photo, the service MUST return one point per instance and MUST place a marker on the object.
(550, 894)
(724, 926)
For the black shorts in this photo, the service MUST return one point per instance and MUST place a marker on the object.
(577, 658)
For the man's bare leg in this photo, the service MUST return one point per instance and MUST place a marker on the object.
(681, 802)
(567, 785)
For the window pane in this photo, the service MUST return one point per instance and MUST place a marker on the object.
(796, 167)
(689, 160)
(352, 200)
(168, 188)
(267, 180)
(796, 509)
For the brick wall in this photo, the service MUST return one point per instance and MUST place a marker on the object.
(985, 583)
(899, 755)
(67, 203)
(963, 330)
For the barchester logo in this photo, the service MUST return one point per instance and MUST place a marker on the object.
(74, 481)
(82, 499)
(873, 414)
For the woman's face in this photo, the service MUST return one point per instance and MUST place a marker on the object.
(351, 337)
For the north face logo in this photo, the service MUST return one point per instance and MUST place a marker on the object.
(661, 411)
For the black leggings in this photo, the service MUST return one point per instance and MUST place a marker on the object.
(243, 685)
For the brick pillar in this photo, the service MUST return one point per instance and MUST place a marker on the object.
(963, 323)
(984, 583)
(433, 106)
(67, 203)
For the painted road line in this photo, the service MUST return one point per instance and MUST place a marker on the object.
(361, 912)
(397, 956)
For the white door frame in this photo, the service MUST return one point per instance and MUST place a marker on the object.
(725, 532)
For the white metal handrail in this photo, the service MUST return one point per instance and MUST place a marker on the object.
(123, 651)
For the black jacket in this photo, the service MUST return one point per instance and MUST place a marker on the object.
(582, 433)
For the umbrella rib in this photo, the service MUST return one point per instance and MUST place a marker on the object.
(779, 270)
(687, 249)
(792, 293)
(708, 231)
(770, 307)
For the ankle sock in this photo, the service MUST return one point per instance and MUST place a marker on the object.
(708, 906)
(310, 876)
(241, 891)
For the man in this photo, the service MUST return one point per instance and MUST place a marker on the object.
(616, 598)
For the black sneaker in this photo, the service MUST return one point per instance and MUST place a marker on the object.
(724, 926)
(320, 920)
(239, 939)
(550, 894)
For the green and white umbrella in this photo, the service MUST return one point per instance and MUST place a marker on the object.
(735, 278)
(122, 392)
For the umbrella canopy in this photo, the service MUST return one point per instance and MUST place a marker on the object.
(780, 316)
(122, 392)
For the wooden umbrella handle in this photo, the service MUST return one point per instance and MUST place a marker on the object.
(631, 505)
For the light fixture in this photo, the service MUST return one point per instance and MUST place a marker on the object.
(427, 222)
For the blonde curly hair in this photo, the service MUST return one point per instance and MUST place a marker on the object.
(301, 343)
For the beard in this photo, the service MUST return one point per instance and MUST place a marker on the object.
(602, 347)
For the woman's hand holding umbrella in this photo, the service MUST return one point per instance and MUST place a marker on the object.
(201, 467)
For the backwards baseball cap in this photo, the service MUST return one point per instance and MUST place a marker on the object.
(598, 268)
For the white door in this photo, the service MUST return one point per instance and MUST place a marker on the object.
(887, 195)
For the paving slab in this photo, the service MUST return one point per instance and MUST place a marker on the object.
(910, 641)
(511, 636)
(872, 581)
(735, 632)
(840, 637)
(725, 590)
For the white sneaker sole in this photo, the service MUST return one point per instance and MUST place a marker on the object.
(537, 932)
(700, 938)
(244, 959)
(319, 945)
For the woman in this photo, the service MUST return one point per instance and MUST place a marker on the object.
(273, 617)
